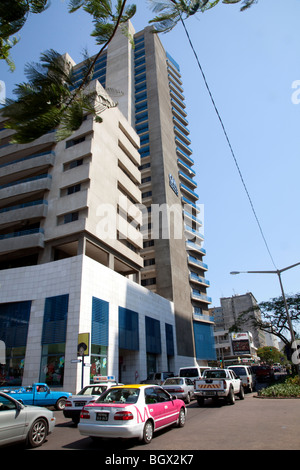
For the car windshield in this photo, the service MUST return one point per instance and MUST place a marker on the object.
(193, 372)
(98, 390)
(173, 381)
(119, 395)
(239, 370)
(214, 374)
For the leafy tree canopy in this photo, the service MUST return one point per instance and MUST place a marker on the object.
(13, 15)
(270, 355)
(273, 318)
(47, 101)
(51, 98)
(170, 12)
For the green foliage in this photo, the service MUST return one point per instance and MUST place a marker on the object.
(268, 354)
(289, 389)
(13, 16)
(46, 101)
(271, 317)
(170, 12)
(104, 17)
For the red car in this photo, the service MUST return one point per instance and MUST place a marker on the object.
(264, 373)
(131, 411)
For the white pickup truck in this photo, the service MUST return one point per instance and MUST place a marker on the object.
(219, 383)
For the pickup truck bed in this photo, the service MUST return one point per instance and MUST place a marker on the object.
(38, 394)
(219, 383)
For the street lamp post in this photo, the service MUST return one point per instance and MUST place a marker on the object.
(278, 272)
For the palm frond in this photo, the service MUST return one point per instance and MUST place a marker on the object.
(51, 99)
(173, 11)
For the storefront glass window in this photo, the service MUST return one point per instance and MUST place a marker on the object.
(98, 361)
(52, 364)
(12, 372)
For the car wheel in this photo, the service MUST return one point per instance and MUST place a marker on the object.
(188, 399)
(231, 397)
(148, 432)
(181, 418)
(241, 393)
(60, 404)
(38, 433)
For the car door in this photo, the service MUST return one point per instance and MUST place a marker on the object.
(42, 396)
(190, 386)
(160, 406)
(235, 381)
(12, 421)
(153, 405)
(168, 407)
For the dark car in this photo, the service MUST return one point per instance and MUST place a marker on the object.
(264, 373)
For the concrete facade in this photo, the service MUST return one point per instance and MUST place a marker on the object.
(82, 278)
(234, 306)
(108, 213)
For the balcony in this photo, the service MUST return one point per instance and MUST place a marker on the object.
(187, 201)
(200, 297)
(20, 240)
(199, 279)
(27, 186)
(183, 136)
(24, 166)
(192, 234)
(195, 247)
(178, 115)
(178, 108)
(188, 216)
(181, 126)
(203, 318)
(186, 167)
(25, 211)
(185, 156)
(189, 191)
(196, 262)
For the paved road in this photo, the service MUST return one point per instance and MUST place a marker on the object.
(251, 424)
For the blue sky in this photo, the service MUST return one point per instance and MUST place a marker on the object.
(250, 60)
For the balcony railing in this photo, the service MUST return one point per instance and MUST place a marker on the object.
(201, 297)
(49, 152)
(205, 318)
(26, 180)
(25, 204)
(197, 262)
(196, 247)
(189, 191)
(21, 233)
(201, 280)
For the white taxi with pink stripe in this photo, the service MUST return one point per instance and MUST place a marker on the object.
(131, 411)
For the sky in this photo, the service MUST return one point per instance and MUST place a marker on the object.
(251, 61)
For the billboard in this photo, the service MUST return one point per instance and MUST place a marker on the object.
(240, 343)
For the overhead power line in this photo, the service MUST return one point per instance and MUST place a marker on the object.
(229, 143)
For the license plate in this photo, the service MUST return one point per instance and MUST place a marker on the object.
(210, 393)
(102, 417)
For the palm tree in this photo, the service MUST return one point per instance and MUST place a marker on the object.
(50, 99)
(173, 11)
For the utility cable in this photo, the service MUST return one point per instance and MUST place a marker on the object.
(229, 143)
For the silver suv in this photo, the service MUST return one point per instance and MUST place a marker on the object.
(247, 376)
